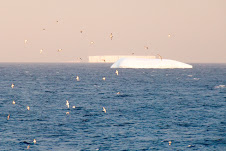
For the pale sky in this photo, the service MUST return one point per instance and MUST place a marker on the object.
(197, 29)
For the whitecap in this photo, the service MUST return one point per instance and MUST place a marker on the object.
(219, 86)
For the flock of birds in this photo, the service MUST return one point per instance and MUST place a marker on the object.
(67, 103)
(28, 108)
(68, 106)
(77, 78)
(79, 59)
(59, 50)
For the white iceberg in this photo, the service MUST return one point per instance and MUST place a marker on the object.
(149, 63)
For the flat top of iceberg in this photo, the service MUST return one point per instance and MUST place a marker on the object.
(149, 63)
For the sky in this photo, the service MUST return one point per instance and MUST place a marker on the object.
(197, 29)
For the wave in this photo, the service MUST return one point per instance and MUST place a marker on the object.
(219, 86)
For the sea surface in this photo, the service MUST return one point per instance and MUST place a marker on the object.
(157, 109)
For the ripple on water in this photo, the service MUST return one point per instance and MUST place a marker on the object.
(153, 108)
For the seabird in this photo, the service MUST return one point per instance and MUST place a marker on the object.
(160, 56)
(116, 72)
(104, 110)
(67, 103)
(77, 78)
(111, 36)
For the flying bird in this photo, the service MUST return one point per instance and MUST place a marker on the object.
(77, 78)
(8, 117)
(12, 85)
(116, 72)
(78, 59)
(28, 108)
(104, 110)
(67, 103)
(111, 36)
(160, 56)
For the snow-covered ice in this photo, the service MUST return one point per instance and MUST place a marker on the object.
(149, 63)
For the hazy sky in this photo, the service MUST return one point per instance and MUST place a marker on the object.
(197, 29)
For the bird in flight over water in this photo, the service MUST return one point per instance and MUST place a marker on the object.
(111, 36)
(104, 110)
(116, 72)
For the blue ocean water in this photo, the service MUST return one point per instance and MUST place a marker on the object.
(155, 106)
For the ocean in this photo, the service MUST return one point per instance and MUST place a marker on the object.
(146, 109)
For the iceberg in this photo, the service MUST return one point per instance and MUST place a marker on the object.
(149, 63)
